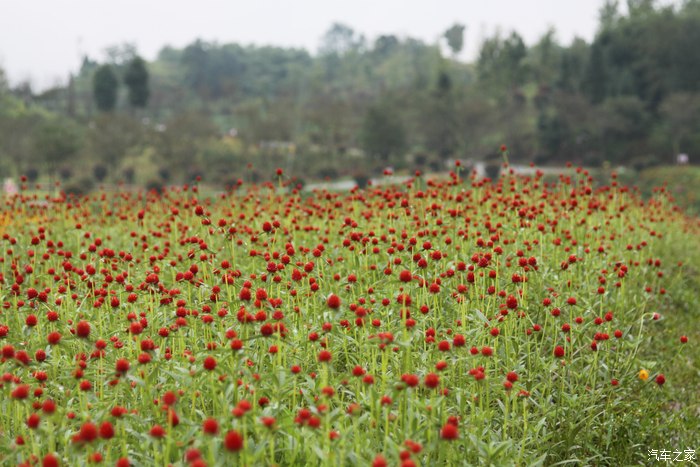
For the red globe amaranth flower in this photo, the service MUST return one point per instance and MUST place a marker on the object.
(449, 432)
(444, 346)
(684, 339)
(210, 426)
(20, 392)
(559, 351)
(512, 377)
(106, 430)
(410, 380)
(50, 460)
(33, 421)
(661, 379)
(82, 329)
(233, 441)
(324, 356)
(169, 398)
(122, 366)
(379, 461)
(431, 380)
(53, 338)
(88, 432)
(333, 301)
(48, 406)
(157, 431)
(209, 363)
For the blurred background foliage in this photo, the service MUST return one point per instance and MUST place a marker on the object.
(227, 112)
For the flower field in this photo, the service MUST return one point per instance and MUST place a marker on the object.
(446, 322)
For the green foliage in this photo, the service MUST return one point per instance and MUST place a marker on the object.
(629, 97)
(455, 38)
(136, 80)
(57, 141)
(105, 86)
(383, 133)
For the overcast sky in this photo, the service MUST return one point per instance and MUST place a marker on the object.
(43, 40)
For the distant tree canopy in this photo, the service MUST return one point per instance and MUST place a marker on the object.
(136, 80)
(455, 38)
(630, 96)
(105, 86)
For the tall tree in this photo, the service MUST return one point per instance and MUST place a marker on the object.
(136, 80)
(340, 39)
(105, 86)
(383, 133)
(455, 38)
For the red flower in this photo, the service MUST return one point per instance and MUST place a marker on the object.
(233, 441)
(559, 351)
(449, 432)
(684, 339)
(169, 398)
(48, 406)
(324, 356)
(410, 380)
(157, 431)
(660, 380)
(379, 461)
(173, 419)
(82, 329)
(512, 377)
(106, 430)
(431, 380)
(33, 420)
(122, 366)
(333, 301)
(209, 363)
(269, 422)
(53, 338)
(20, 392)
(88, 432)
(135, 328)
(210, 426)
(405, 276)
(50, 460)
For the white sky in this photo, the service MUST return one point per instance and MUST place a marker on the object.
(43, 40)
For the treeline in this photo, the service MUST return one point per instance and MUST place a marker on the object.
(227, 112)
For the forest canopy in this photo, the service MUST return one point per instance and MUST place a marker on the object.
(631, 96)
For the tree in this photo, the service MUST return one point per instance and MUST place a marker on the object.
(339, 40)
(596, 74)
(136, 80)
(608, 15)
(455, 38)
(105, 86)
(57, 142)
(681, 112)
(383, 133)
(3, 82)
